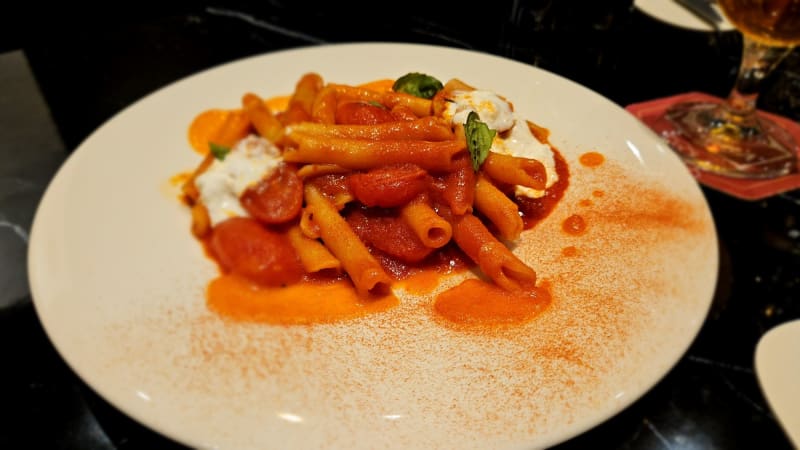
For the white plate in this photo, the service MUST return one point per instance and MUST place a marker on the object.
(671, 12)
(118, 282)
(777, 363)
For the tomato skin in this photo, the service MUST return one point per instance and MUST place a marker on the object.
(361, 113)
(245, 247)
(387, 232)
(457, 188)
(275, 199)
(389, 186)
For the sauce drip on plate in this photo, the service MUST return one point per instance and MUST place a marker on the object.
(303, 303)
(474, 302)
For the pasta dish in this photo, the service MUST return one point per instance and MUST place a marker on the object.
(322, 204)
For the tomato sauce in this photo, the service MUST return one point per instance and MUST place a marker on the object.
(569, 251)
(306, 302)
(448, 260)
(220, 126)
(592, 159)
(478, 303)
(574, 224)
(534, 210)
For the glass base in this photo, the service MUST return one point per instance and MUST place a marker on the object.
(712, 139)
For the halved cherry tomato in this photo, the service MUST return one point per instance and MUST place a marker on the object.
(386, 231)
(362, 113)
(247, 248)
(277, 198)
(389, 186)
(456, 189)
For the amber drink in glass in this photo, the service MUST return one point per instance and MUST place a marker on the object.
(731, 138)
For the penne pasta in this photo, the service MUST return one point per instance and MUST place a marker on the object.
(307, 225)
(433, 230)
(315, 170)
(515, 170)
(324, 108)
(498, 208)
(495, 260)
(201, 222)
(421, 106)
(301, 102)
(189, 189)
(355, 93)
(314, 256)
(403, 112)
(366, 154)
(265, 123)
(425, 129)
(382, 85)
(236, 127)
(364, 270)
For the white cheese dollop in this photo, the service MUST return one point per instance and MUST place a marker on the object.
(221, 185)
(495, 112)
(498, 115)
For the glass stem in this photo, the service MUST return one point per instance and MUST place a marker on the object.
(758, 61)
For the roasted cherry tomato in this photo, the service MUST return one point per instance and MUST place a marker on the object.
(362, 113)
(277, 198)
(246, 247)
(384, 230)
(389, 186)
(457, 188)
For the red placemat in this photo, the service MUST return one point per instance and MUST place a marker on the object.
(651, 113)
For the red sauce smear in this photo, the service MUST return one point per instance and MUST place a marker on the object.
(592, 159)
(475, 302)
(325, 298)
(303, 303)
(534, 210)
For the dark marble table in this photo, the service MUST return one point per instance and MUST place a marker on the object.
(65, 69)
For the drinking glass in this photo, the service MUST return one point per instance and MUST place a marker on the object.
(730, 137)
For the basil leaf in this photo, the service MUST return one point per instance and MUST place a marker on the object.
(219, 151)
(479, 139)
(418, 84)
